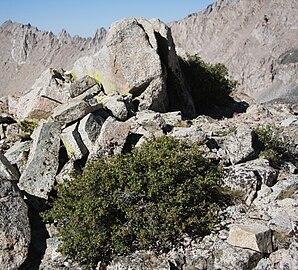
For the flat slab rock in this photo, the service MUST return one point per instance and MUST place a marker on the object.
(39, 175)
(14, 226)
(253, 236)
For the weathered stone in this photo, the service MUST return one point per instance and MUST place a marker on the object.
(13, 131)
(148, 123)
(112, 138)
(72, 141)
(18, 154)
(290, 121)
(147, 120)
(212, 252)
(264, 264)
(179, 96)
(7, 171)
(283, 215)
(256, 237)
(41, 100)
(52, 259)
(14, 226)
(172, 118)
(64, 175)
(144, 125)
(132, 62)
(138, 70)
(80, 86)
(122, 67)
(3, 146)
(248, 177)
(146, 260)
(281, 259)
(89, 129)
(193, 134)
(4, 104)
(264, 63)
(75, 109)
(239, 145)
(39, 176)
(115, 105)
(2, 133)
(229, 257)
(279, 204)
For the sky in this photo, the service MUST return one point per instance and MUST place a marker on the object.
(83, 17)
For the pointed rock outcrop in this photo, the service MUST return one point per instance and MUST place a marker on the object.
(140, 59)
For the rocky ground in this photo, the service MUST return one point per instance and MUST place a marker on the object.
(113, 100)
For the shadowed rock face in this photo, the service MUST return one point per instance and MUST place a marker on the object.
(255, 39)
(26, 52)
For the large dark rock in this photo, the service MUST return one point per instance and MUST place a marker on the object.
(14, 226)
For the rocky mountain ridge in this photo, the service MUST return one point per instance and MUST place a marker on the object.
(114, 98)
(26, 52)
(254, 39)
(66, 120)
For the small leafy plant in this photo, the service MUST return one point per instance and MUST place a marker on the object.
(273, 147)
(147, 199)
(210, 84)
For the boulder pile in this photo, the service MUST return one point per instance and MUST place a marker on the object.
(130, 90)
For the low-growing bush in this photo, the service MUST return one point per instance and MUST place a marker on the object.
(146, 199)
(210, 84)
(272, 145)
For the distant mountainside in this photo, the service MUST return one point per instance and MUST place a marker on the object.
(25, 52)
(256, 39)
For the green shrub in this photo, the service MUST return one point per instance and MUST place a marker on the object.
(210, 84)
(273, 147)
(146, 199)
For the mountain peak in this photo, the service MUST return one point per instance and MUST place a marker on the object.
(27, 52)
(249, 37)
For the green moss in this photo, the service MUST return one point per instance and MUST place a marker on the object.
(27, 127)
(69, 148)
(73, 75)
(85, 70)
